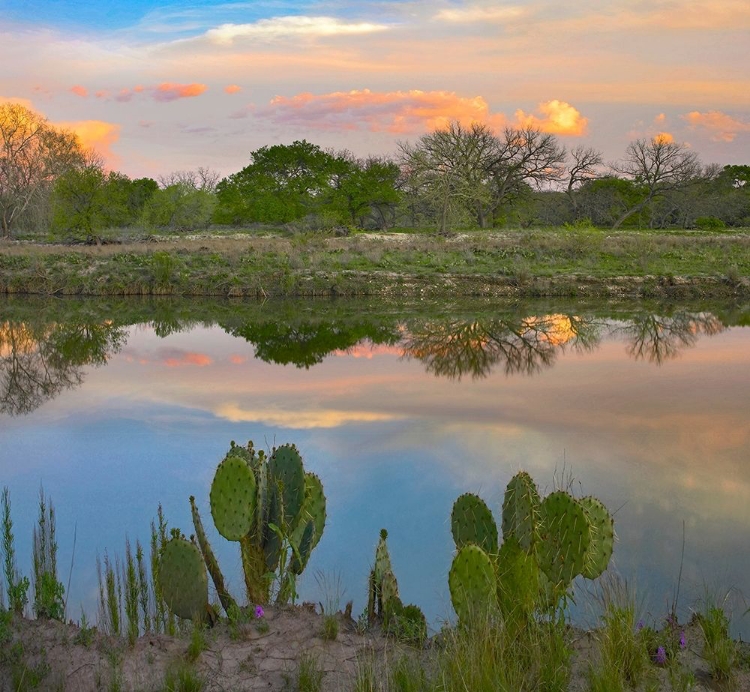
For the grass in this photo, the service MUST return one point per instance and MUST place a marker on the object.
(719, 650)
(309, 674)
(330, 587)
(533, 261)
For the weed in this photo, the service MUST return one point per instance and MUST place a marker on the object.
(309, 674)
(17, 587)
(132, 588)
(182, 677)
(718, 649)
(409, 676)
(198, 643)
(48, 591)
(330, 627)
(365, 680)
(109, 596)
(332, 592)
(85, 634)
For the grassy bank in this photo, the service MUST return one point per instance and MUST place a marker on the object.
(549, 262)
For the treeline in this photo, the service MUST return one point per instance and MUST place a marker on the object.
(459, 177)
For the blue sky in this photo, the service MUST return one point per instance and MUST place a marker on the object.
(158, 87)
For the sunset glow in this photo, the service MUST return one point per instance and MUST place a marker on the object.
(156, 78)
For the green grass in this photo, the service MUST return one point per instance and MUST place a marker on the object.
(314, 264)
(719, 650)
(309, 674)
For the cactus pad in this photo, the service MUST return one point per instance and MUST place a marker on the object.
(565, 537)
(233, 498)
(472, 583)
(521, 510)
(287, 473)
(472, 522)
(183, 579)
(602, 537)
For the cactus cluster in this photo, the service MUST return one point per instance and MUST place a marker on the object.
(546, 544)
(271, 507)
(406, 622)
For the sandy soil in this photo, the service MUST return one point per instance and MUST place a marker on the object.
(255, 657)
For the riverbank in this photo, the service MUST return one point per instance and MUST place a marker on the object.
(524, 263)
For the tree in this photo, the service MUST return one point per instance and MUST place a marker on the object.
(180, 207)
(524, 156)
(32, 154)
(657, 165)
(282, 183)
(199, 179)
(586, 161)
(451, 168)
(365, 190)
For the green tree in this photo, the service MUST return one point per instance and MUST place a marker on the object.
(365, 192)
(282, 183)
(180, 207)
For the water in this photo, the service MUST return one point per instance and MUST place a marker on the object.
(116, 407)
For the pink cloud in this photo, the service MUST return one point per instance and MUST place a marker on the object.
(236, 359)
(97, 135)
(198, 359)
(232, 88)
(557, 117)
(399, 112)
(168, 91)
(79, 90)
(720, 126)
(102, 94)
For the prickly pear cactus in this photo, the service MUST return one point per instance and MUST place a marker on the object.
(233, 496)
(472, 522)
(472, 583)
(183, 579)
(602, 537)
(521, 510)
(565, 537)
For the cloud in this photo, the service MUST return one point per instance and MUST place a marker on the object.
(398, 112)
(323, 418)
(97, 135)
(479, 13)
(79, 90)
(720, 126)
(168, 91)
(557, 117)
(663, 138)
(278, 27)
(181, 359)
(232, 89)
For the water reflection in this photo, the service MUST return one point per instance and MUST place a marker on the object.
(39, 360)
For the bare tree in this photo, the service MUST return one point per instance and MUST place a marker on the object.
(525, 155)
(451, 167)
(32, 154)
(199, 179)
(658, 165)
(586, 161)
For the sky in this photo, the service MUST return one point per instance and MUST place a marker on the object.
(157, 87)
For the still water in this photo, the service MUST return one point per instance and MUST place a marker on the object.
(116, 407)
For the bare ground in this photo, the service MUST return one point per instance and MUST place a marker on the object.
(254, 657)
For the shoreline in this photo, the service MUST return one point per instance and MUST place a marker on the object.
(519, 264)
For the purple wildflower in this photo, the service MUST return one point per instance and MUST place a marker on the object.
(660, 657)
(639, 625)
(683, 643)
(259, 612)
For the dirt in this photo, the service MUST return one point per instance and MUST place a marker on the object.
(260, 655)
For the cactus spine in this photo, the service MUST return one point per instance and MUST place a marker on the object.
(546, 544)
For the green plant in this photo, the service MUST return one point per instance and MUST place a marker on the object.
(110, 600)
(331, 589)
(17, 587)
(384, 605)
(309, 674)
(545, 545)
(198, 643)
(718, 648)
(409, 676)
(182, 677)
(85, 634)
(365, 679)
(273, 509)
(48, 591)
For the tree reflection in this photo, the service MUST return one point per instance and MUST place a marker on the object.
(37, 362)
(523, 345)
(307, 344)
(657, 338)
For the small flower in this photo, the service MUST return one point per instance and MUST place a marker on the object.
(259, 612)
(660, 657)
(683, 643)
(639, 625)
